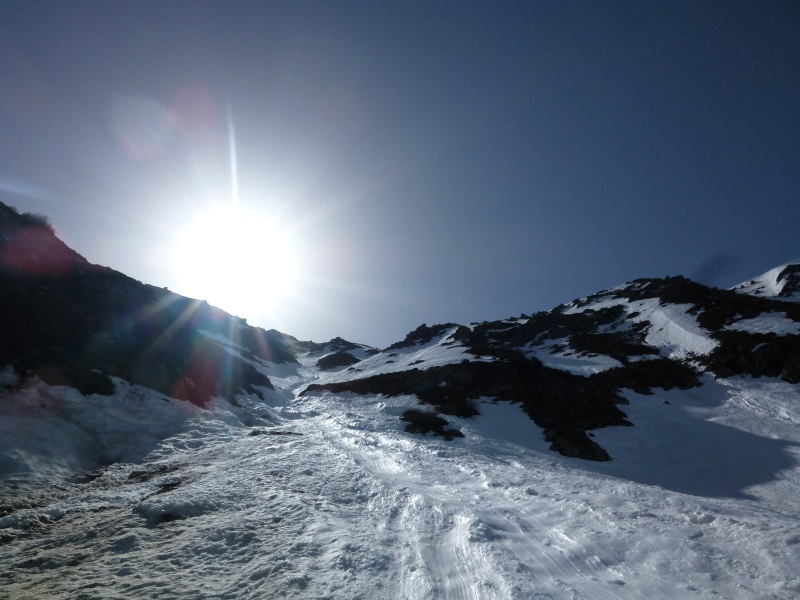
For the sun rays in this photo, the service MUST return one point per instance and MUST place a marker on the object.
(255, 243)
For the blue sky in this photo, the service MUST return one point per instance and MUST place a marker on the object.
(423, 161)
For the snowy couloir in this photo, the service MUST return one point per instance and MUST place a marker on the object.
(641, 442)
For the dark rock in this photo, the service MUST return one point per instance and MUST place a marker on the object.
(576, 444)
(553, 399)
(420, 421)
(758, 355)
(644, 375)
(74, 323)
(790, 277)
(424, 334)
(338, 359)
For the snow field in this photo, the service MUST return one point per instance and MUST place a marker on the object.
(326, 496)
(671, 328)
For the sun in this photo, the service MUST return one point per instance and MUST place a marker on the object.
(236, 259)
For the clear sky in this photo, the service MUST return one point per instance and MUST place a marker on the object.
(396, 163)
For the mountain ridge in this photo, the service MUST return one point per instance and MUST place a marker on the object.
(152, 445)
(80, 324)
(615, 340)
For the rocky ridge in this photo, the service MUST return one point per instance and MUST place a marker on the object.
(568, 367)
(68, 322)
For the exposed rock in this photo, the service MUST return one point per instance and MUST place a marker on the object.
(576, 444)
(424, 334)
(790, 277)
(756, 354)
(420, 421)
(553, 399)
(74, 323)
(337, 359)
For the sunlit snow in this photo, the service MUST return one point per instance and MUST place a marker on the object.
(672, 328)
(325, 496)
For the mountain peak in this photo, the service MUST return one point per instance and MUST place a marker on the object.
(780, 283)
(28, 244)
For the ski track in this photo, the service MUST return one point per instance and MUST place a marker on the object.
(333, 500)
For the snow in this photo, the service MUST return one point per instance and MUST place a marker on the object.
(438, 352)
(770, 322)
(556, 354)
(54, 431)
(325, 496)
(604, 301)
(672, 328)
(764, 285)
(767, 285)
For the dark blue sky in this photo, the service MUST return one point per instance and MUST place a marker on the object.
(430, 162)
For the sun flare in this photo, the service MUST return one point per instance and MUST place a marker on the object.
(236, 259)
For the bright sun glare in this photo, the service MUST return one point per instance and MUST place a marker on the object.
(236, 259)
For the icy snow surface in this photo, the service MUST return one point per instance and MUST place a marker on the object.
(325, 496)
(764, 285)
(673, 329)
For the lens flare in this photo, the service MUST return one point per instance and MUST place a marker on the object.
(142, 126)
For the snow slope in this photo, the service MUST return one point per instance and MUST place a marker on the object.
(554, 354)
(772, 283)
(279, 493)
(442, 350)
(324, 496)
(670, 327)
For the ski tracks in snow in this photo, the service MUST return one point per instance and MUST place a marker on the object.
(483, 519)
(466, 526)
(430, 540)
(328, 498)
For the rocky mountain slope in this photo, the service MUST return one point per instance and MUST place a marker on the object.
(68, 322)
(640, 442)
(566, 367)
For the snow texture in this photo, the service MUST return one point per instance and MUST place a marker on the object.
(671, 328)
(325, 496)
